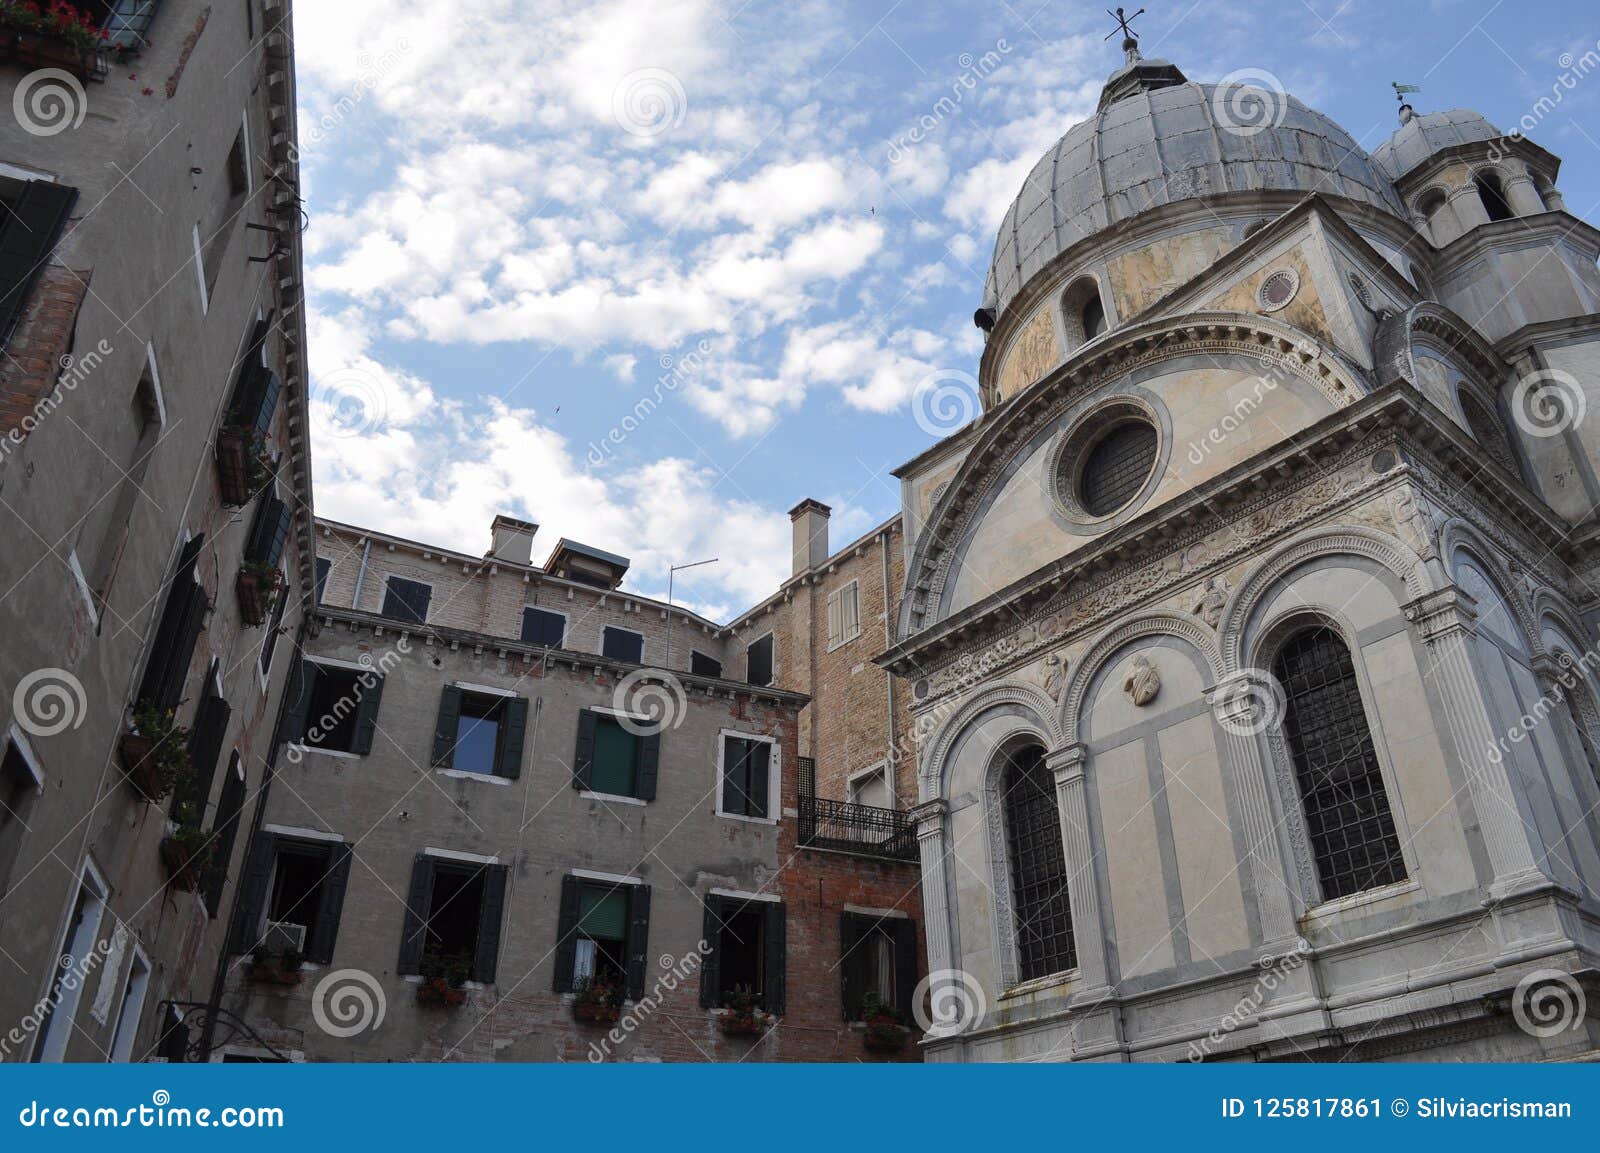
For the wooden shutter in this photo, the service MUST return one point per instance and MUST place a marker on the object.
(776, 957)
(172, 648)
(711, 964)
(850, 964)
(302, 680)
(489, 916)
(28, 235)
(905, 964)
(319, 942)
(205, 747)
(649, 766)
(735, 762)
(252, 897)
(638, 939)
(268, 533)
(583, 756)
(414, 934)
(760, 778)
(850, 611)
(567, 932)
(446, 728)
(514, 716)
(226, 831)
(367, 711)
(835, 621)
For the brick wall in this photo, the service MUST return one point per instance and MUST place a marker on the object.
(32, 359)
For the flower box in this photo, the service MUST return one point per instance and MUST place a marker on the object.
(186, 854)
(242, 467)
(257, 590)
(596, 1012)
(274, 972)
(885, 1035)
(141, 765)
(439, 991)
(38, 50)
(743, 1024)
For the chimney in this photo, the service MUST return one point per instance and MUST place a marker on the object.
(810, 519)
(513, 540)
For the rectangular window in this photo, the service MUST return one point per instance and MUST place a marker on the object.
(758, 662)
(613, 759)
(748, 952)
(543, 627)
(269, 643)
(453, 917)
(479, 732)
(134, 987)
(747, 777)
(870, 787)
(19, 790)
(333, 708)
(225, 831)
(80, 941)
(32, 215)
(103, 537)
(206, 737)
(183, 616)
(291, 897)
(406, 600)
(703, 666)
(603, 935)
(844, 615)
(269, 532)
(324, 566)
(623, 645)
(127, 22)
(877, 957)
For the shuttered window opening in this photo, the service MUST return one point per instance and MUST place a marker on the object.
(269, 532)
(225, 830)
(543, 627)
(406, 600)
(479, 732)
(622, 645)
(324, 567)
(292, 897)
(333, 709)
(182, 619)
(269, 643)
(611, 758)
(32, 215)
(877, 955)
(746, 777)
(844, 615)
(603, 935)
(206, 736)
(758, 662)
(453, 916)
(703, 666)
(748, 955)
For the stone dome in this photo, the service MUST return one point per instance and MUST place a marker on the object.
(1157, 145)
(1422, 136)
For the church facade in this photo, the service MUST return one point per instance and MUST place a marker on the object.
(1250, 630)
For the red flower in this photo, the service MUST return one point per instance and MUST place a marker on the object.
(149, 91)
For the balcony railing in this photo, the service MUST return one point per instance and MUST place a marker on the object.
(863, 829)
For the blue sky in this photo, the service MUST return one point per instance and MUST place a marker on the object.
(527, 217)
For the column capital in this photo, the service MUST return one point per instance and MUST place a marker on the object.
(1448, 610)
(929, 817)
(1067, 763)
(1245, 700)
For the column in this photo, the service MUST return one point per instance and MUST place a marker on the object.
(1444, 620)
(1088, 928)
(1246, 704)
(933, 820)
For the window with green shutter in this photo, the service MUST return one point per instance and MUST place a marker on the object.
(603, 936)
(613, 759)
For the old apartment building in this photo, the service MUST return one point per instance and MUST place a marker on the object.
(536, 817)
(154, 493)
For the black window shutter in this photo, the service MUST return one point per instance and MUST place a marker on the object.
(649, 766)
(205, 747)
(226, 832)
(28, 234)
(413, 935)
(494, 903)
(252, 898)
(905, 964)
(182, 617)
(567, 933)
(735, 760)
(711, 965)
(367, 711)
(446, 728)
(258, 397)
(777, 958)
(583, 757)
(514, 715)
(759, 761)
(638, 939)
(850, 964)
(302, 682)
(319, 947)
(269, 532)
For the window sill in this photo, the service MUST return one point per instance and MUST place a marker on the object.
(747, 820)
(464, 775)
(1040, 984)
(608, 798)
(307, 750)
(1359, 900)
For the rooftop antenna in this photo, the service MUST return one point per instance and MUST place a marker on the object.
(1400, 90)
(672, 572)
(1130, 38)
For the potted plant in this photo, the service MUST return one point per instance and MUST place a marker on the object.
(741, 1014)
(243, 466)
(51, 34)
(186, 852)
(442, 979)
(154, 752)
(596, 999)
(275, 967)
(884, 1032)
(258, 587)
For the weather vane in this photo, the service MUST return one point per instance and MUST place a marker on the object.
(1400, 89)
(1122, 24)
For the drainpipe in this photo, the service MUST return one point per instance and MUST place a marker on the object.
(888, 678)
(361, 575)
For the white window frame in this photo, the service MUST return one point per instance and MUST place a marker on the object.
(200, 272)
(835, 606)
(880, 769)
(643, 641)
(126, 1029)
(56, 1031)
(16, 738)
(566, 621)
(394, 576)
(774, 776)
(755, 641)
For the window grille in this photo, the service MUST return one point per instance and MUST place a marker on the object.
(1038, 867)
(1118, 467)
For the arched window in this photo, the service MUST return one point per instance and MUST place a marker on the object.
(1038, 864)
(1093, 318)
(1487, 430)
(1083, 314)
(1429, 203)
(1348, 819)
(1492, 195)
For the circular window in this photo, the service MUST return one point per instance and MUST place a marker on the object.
(1115, 469)
(1278, 289)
